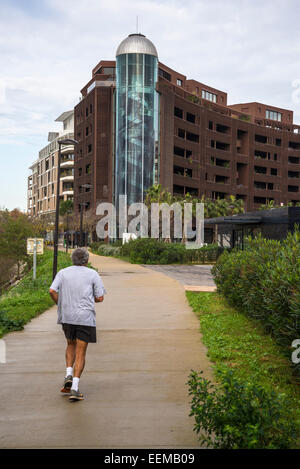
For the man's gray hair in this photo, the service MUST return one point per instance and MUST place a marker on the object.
(80, 256)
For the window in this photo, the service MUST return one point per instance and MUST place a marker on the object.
(178, 112)
(88, 169)
(294, 145)
(164, 74)
(86, 131)
(209, 96)
(224, 129)
(294, 160)
(223, 146)
(261, 138)
(179, 151)
(191, 191)
(79, 171)
(178, 189)
(108, 70)
(221, 179)
(192, 137)
(273, 115)
(89, 148)
(190, 117)
(183, 171)
(181, 133)
(260, 169)
(179, 82)
(210, 125)
(273, 171)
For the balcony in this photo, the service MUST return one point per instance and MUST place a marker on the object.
(67, 175)
(65, 149)
(68, 188)
(67, 164)
(68, 192)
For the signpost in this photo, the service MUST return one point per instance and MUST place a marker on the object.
(35, 246)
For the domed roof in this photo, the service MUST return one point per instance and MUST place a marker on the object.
(136, 44)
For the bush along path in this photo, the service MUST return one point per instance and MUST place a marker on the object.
(29, 298)
(154, 251)
(255, 403)
(263, 281)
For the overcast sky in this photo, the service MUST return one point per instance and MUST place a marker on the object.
(248, 48)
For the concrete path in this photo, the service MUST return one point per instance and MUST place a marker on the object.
(192, 277)
(134, 381)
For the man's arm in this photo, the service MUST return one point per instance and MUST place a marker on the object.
(99, 299)
(54, 295)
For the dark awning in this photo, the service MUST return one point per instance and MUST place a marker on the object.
(232, 220)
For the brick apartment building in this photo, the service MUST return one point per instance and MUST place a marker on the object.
(139, 122)
(42, 181)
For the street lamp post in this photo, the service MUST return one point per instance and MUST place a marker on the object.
(82, 205)
(67, 240)
(66, 141)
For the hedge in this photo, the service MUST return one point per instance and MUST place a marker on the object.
(153, 251)
(264, 282)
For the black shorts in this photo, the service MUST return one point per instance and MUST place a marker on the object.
(75, 331)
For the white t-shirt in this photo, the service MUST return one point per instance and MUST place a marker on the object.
(77, 287)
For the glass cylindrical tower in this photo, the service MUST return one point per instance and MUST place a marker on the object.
(136, 118)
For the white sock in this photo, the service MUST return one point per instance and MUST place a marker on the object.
(75, 384)
(69, 371)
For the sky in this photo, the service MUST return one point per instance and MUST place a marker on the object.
(247, 48)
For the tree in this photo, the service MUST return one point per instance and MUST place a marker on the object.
(65, 207)
(15, 229)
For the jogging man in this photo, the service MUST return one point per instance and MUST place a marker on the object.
(75, 291)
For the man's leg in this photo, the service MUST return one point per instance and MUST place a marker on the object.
(70, 353)
(70, 358)
(81, 348)
(80, 353)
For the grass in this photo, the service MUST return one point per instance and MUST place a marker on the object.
(239, 343)
(29, 298)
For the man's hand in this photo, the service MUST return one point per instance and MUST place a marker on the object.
(54, 295)
(99, 299)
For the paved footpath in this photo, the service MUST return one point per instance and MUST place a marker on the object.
(134, 381)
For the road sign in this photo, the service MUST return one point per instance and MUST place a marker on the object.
(39, 245)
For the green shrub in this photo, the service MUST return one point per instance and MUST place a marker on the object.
(153, 251)
(108, 250)
(264, 282)
(237, 415)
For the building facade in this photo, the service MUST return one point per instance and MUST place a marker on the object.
(140, 122)
(42, 181)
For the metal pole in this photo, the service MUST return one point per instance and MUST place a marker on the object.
(34, 259)
(56, 214)
(67, 241)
